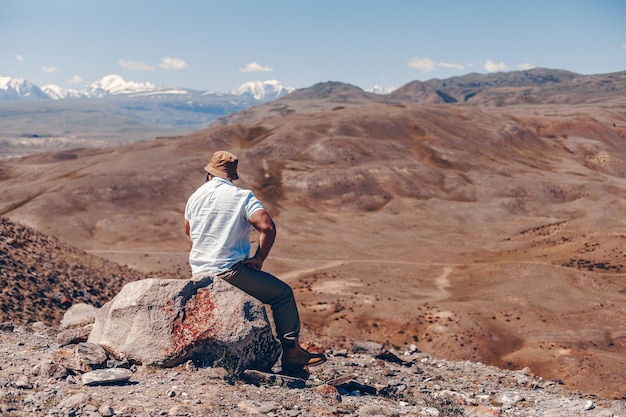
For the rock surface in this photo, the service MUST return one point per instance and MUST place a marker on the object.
(166, 322)
(368, 383)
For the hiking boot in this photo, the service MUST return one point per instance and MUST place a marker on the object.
(300, 357)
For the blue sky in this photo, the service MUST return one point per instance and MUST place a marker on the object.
(218, 45)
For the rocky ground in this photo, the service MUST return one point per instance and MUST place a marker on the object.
(366, 380)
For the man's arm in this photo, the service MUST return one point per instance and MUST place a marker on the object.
(262, 222)
(188, 233)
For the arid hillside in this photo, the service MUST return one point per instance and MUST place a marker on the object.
(42, 276)
(489, 227)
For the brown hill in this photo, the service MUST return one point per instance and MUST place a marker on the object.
(490, 231)
(42, 277)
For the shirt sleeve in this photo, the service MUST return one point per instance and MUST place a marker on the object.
(252, 205)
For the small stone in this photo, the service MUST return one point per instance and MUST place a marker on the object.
(179, 411)
(30, 399)
(89, 356)
(190, 366)
(23, 383)
(259, 378)
(342, 352)
(481, 411)
(75, 335)
(254, 407)
(366, 347)
(106, 376)
(106, 411)
(79, 315)
(118, 363)
(589, 405)
(509, 398)
(431, 411)
(74, 400)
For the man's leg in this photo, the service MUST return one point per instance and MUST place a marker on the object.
(270, 290)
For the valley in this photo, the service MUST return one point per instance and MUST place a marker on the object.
(490, 229)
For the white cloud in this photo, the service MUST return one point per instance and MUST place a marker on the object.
(19, 57)
(424, 64)
(135, 65)
(169, 63)
(255, 67)
(526, 66)
(427, 64)
(491, 66)
(75, 80)
(49, 69)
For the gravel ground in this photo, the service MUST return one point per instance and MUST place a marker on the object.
(367, 380)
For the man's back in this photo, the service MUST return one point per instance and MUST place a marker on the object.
(218, 213)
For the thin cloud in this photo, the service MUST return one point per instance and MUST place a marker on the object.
(170, 63)
(526, 66)
(49, 69)
(255, 67)
(491, 66)
(453, 66)
(624, 46)
(423, 64)
(427, 64)
(19, 57)
(135, 65)
(75, 80)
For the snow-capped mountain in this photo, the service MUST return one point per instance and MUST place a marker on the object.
(111, 85)
(19, 88)
(262, 90)
(115, 85)
(58, 93)
(380, 90)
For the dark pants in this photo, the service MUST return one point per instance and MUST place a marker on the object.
(272, 291)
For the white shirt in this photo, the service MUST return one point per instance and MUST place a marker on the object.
(218, 213)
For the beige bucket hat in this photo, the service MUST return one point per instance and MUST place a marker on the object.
(223, 164)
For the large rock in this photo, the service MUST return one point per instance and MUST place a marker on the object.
(166, 322)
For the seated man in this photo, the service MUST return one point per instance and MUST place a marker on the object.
(219, 217)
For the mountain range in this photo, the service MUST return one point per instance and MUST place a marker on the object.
(115, 85)
(112, 111)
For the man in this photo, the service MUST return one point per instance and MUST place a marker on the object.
(219, 217)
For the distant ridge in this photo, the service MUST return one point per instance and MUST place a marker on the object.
(333, 91)
(514, 86)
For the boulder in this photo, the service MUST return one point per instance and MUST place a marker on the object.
(165, 322)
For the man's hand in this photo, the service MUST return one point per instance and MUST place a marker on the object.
(255, 263)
